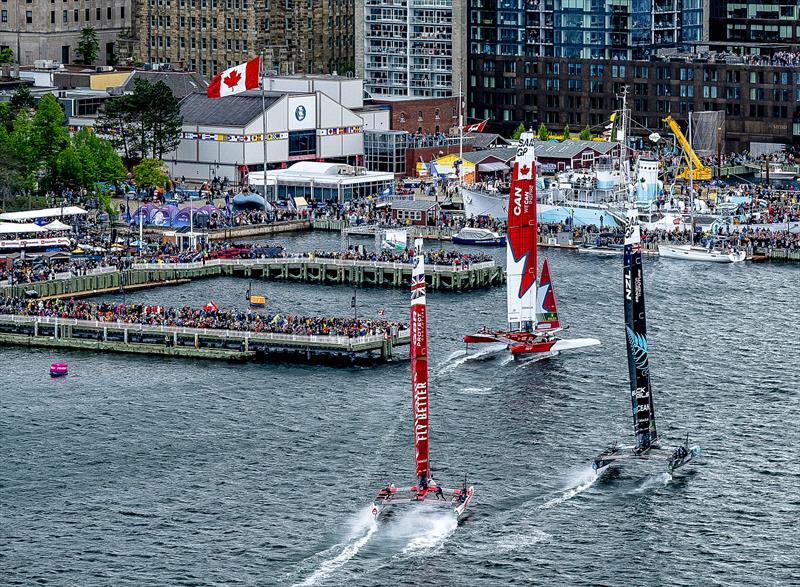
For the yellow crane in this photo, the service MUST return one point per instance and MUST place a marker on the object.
(699, 171)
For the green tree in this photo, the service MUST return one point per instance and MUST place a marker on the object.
(21, 143)
(6, 56)
(22, 99)
(100, 160)
(49, 135)
(13, 178)
(566, 135)
(72, 172)
(150, 173)
(543, 133)
(88, 46)
(586, 134)
(145, 123)
(518, 132)
(6, 117)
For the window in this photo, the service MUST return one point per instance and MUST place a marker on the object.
(97, 13)
(65, 18)
(4, 16)
(303, 142)
(122, 12)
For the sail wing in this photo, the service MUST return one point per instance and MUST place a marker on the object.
(546, 310)
(521, 242)
(644, 417)
(419, 364)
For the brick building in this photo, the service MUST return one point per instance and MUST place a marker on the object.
(423, 115)
(207, 36)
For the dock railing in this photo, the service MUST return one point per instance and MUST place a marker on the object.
(328, 261)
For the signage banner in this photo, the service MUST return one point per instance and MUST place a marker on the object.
(302, 112)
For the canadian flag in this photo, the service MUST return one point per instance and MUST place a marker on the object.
(235, 80)
(477, 127)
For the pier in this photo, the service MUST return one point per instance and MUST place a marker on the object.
(173, 341)
(298, 269)
(441, 233)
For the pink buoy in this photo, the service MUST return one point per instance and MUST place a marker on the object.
(58, 369)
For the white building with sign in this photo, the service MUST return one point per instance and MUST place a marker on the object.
(225, 137)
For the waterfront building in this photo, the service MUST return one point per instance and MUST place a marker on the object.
(410, 48)
(759, 100)
(754, 24)
(208, 36)
(49, 31)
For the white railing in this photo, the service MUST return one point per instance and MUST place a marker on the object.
(327, 261)
(95, 271)
(235, 334)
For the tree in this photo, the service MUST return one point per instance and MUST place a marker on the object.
(6, 56)
(150, 173)
(518, 132)
(586, 134)
(567, 135)
(49, 135)
(13, 178)
(22, 99)
(544, 134)
(87, 160)
(88, 46)
(145, 123)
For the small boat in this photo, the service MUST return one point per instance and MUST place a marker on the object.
(424, 491)
(648, 445)
(690, 253)
(58, 369)
(479, 236)
(257, 301)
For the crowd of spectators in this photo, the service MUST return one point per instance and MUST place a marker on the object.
(200, 318)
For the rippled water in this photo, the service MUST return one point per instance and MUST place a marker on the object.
(164, 472)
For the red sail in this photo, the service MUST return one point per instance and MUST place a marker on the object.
(521, 250)
(419, 365)
(546, 310)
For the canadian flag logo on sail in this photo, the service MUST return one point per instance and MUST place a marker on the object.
(235, 80)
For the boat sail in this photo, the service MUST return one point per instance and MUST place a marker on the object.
(648, 443)
(425, 490)
(527, 333)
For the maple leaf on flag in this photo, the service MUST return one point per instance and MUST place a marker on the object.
(232, 79)
(525, 170)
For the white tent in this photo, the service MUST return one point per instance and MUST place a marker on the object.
(14, 228)
(44, 213)
(57, 225)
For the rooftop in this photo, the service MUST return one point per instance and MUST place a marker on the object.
(182, 83)
(238, 110)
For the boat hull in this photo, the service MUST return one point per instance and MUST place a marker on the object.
(688, 253)
(485, 242)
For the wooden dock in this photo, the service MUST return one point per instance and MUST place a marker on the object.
(299, 269)
(171, 341)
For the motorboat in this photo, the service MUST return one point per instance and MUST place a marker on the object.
(695, 253)
(480, 237)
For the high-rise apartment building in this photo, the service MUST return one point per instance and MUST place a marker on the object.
(749, 24)
(39, 30)
(586, 29)
(308, 36)
(410, 48)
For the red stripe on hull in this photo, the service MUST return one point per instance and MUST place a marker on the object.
(532, 348)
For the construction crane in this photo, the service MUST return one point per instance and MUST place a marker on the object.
(699, 171)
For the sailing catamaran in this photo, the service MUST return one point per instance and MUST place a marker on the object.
(532, 313)
(648, 443)
(425, 490)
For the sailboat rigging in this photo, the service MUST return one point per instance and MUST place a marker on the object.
(648, 442)
(531, 328)
(425, 489)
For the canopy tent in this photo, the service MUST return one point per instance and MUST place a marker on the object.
(43, 213)
(494, 166)
(13, 228)
(57, 225)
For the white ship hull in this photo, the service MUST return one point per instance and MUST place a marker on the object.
(689, 253)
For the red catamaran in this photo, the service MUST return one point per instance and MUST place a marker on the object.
(425, 490)
(532, 313)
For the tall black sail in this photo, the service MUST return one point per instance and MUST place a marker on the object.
(644, 417)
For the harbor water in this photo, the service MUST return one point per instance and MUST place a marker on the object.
(142, 471)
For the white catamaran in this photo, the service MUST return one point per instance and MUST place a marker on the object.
(425, 490)
(532, 314)
(648, 443)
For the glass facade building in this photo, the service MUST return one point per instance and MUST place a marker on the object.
(385, 151)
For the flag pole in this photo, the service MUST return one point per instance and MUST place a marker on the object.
(262, 79)
(460, 134)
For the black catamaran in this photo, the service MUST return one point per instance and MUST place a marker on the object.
(648, 444)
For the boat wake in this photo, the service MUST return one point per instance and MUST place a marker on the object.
(363, 528)
(458, 358)
(653, 482)
(422, 532)
(581, 482)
